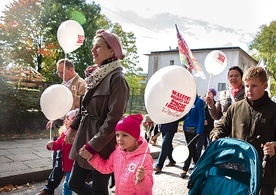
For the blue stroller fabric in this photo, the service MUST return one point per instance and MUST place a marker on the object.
(229, 167)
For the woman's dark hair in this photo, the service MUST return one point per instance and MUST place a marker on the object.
(236, 68)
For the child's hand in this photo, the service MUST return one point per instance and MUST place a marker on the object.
(85, 153)
(140, 173)
(50, 144)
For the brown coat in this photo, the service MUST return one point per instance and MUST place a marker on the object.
(254, 123)
(101, 109)
(77, 88)
(224, 102)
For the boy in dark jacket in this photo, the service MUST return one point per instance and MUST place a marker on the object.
(253, 120)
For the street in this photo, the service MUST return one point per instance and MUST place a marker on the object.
(167, 182)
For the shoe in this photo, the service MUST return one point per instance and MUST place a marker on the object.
(43, 192)
(183, 175)
(170, 164)
(157, 169)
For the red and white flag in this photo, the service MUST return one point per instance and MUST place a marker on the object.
(187, 58)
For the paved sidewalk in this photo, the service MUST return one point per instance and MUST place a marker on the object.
(27, 160)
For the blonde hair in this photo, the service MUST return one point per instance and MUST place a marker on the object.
(255, 72)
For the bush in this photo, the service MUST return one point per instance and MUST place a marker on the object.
(20, 111)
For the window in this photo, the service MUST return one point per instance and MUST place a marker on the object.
(221, 86)
(171, 62)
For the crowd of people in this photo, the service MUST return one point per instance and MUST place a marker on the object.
(98, 141)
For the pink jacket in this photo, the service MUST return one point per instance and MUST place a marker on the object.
(124, 165)
(60, 144)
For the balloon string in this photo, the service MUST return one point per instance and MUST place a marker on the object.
(192, 140)
(51, 124)
(144, 157)
(209, 82)
(64, 68)
(145, 153)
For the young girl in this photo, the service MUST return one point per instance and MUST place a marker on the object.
(60, 144)
(131, 162)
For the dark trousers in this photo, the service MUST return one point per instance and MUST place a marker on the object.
(192, 150)
(202, 142)
(155, 132)
(166, 149)
(77, 181)
(267, 189)
(56, 175)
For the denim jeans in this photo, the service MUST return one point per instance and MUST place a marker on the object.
(77, 181)
(66, 190)
(166, 149)
(56, 175)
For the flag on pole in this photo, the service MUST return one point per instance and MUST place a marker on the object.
(187, 58)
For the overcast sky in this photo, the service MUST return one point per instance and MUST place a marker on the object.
(202, 23)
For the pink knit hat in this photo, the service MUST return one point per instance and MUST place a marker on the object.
(131, 125)
(113, 41)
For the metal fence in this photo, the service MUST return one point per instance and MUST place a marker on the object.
(136, 103)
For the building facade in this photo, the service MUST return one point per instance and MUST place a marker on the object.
(235, 57)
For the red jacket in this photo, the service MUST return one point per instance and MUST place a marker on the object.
(60, 144)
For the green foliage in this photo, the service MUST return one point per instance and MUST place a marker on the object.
(20, 111)
(54, 13)
(21, 31)
(29, 35)
(264, 46)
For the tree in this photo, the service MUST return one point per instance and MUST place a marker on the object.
(29, 35)
(264, 46)
(21, 32)
(55, 12)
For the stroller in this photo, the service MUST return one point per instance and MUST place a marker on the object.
(228, 166)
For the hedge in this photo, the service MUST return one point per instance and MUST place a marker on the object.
(20, 111)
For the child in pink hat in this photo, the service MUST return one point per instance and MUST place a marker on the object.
(131, 161)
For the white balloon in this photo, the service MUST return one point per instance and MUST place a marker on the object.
(56, 101)
(215, 62)
(170, 94)
(70, 35)
(180, 153)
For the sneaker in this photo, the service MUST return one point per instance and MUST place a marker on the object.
(170, 164)
(43, 192)
(157, 169)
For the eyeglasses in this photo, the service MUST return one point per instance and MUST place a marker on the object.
(61, 73)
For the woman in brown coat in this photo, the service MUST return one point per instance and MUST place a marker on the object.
(102, 106)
